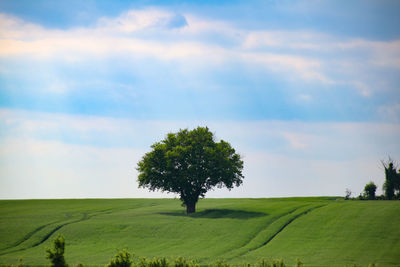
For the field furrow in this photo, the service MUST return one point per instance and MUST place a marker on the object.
(320, 231)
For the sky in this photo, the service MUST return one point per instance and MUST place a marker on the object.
(307, 92)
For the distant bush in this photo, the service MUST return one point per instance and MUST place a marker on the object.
(122, 259)
(19, 264)
(347, 194)
(298, 263)
(271, 263)
(220, 263)
(56, 254)
(369, 191)
(182, 262)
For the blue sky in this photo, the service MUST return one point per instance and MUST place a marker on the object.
(87, 87)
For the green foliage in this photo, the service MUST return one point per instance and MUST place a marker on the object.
(155, 262)
(391, 186)
(298, 263)
(369, 191)
(122, 259)
(19, 264)
(220, 263)
(347, 194)
(190, 163)
(271, 263)
(56, 254)
(162, 262)
(182, 262)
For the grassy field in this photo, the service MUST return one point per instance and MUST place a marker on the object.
(320, 231)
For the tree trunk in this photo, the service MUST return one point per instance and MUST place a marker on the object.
(190, 208)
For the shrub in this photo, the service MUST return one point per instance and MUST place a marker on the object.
(347, 194)
(369, 191)
(19, 264)
(56, 254)
(270, 263)
(181, 262)
(152, 262)
(220, 263)
(122, 259)
(298, 263)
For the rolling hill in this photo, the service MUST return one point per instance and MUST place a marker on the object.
(321, 231)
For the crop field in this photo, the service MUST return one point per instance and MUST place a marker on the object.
(320, 231)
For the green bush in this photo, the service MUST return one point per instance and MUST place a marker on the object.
(182, 262)
(270, 263)
(122, 259)
(369, 191)
(220, 263)
(298, 263)
(56, 254)
(143, 262)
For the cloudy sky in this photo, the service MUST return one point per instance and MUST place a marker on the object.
(308, 92)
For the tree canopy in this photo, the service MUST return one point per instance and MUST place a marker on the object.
(391, 186)
(369, 191)
(190, 163)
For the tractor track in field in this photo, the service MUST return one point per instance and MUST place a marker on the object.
(26, 237)
(84, 217)
(285, 225)
(241, 253)
(261, 229)
(275, 219)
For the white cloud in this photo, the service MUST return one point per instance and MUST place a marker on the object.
(277, 175)
(298, 40)
(50, 155)
(306, 68)
(297, 141)
(190, 41)
(305, 97)
(138, 20)
(33, 168)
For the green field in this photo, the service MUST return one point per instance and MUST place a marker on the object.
(320, 231)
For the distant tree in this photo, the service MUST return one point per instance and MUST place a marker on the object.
(369, 191)
(56, 254)
(347, 194)
(190, 163)
(392, 179)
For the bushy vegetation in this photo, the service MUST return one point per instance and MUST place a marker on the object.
(122, 259)
(271, 263)
(391, 186)
(56, 254)
(190, 163)
(369, 191)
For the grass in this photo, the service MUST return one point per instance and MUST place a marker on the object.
(320, 231)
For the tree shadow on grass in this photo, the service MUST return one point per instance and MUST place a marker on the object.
(218, 214)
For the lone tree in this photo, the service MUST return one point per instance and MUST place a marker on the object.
(190, 163)
(392, 181)
(369, 191)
